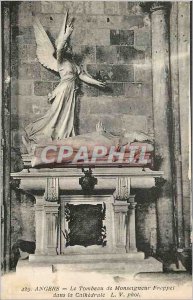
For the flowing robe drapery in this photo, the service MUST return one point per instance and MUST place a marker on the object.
(58, 123)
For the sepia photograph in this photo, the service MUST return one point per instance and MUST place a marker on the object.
(96, 150)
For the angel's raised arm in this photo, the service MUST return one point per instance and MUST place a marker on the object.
(64, 34)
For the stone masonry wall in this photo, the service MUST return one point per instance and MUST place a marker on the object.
(112, 41)
(114, 44)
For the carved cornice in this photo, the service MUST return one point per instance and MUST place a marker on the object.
(52, 190)
(122, 192)
(150, 7)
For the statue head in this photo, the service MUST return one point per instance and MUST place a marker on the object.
(69, 48)
(68, 51)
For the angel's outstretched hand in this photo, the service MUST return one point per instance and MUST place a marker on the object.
(102, 84)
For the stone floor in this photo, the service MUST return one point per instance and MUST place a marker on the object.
(106, 279)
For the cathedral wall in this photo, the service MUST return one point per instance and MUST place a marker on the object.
(112, 42)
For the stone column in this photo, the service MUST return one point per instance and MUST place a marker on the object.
(131, 230)
(40, 225)
(125, 232)
(160, 13)
(51, 228)
(5, 135)
(184, 62)
(175, 63)
(47, 219)
(51, 207)
(120, 209)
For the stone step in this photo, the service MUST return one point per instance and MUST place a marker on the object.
(122, 264)
(87, 258)
(126, 267)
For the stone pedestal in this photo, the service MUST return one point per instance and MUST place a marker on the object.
(120, 209)
(55, 190)
(131, 231)
(52, 223)
(40, 226)
(46, 218)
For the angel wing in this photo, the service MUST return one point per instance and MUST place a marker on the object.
(45, 49)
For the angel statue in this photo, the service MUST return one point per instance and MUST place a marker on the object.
(58, 122)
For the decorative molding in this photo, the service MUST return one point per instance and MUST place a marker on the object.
(66, 234)
(67, 212)
(132, 205)
(52, 190)
(88, 181)
(104, 235)
(150, 7)
(15, 183)
(121, 207)
(131, 199)
(68, 231)
(103, 211)
(122, 192)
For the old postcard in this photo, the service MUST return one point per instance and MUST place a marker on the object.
(96, 150)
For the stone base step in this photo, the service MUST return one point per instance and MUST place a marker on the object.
(131, 263)
(86, 258)
(121, 267)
